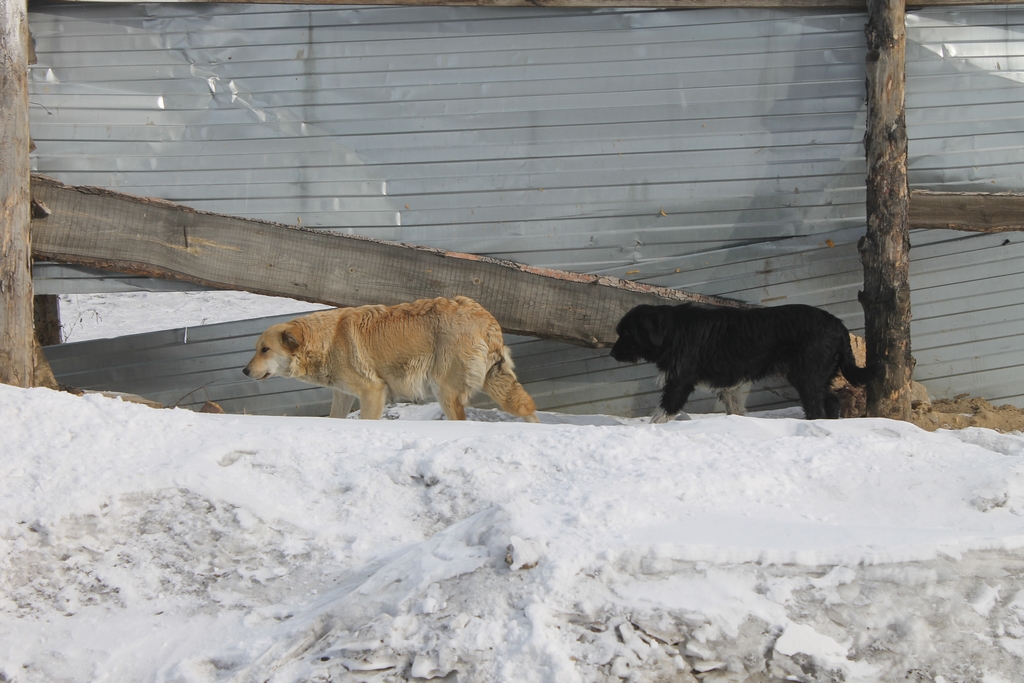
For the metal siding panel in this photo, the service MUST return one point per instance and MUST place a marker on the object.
(713, 150)
(52, 278)
(481, 120)
(162, 367)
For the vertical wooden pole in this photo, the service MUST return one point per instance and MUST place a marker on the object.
(16, 335)
(47, 323)
(47, 319)
(885, 249)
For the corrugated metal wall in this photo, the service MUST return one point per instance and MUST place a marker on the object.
(965, 99)
(718, 151)
(187, 367)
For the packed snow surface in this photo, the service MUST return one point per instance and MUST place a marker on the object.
(166, 545)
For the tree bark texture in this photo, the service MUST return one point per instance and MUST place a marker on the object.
(47, 327)
(16, 335)
(47, 319)
(885, 248)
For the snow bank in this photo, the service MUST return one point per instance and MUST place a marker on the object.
(166, 545)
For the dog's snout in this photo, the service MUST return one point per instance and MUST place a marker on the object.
(245, 371)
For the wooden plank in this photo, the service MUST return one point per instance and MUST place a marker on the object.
(17, 354)
(885, 248)
(113, 231)
(971, 211)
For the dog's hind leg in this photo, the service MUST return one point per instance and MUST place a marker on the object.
(502, 386)
(673, 398)
(456, 386)
(453, 405)
(833, 404)
(813, 400)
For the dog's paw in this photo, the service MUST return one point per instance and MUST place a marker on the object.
(659, 416)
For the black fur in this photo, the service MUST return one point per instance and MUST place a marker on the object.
(722, 347)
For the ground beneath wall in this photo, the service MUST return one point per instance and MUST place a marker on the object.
(968, 412)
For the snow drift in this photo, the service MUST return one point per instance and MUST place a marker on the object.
(165, 545)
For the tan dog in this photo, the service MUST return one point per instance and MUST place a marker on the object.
(450, 347)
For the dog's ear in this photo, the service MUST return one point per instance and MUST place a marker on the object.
(291, 338)
(654, 325)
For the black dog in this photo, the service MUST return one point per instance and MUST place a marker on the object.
(722, 347)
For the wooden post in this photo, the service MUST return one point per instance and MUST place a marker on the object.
(16, 335)
(885, 249)
(47, 319)
(47, 324)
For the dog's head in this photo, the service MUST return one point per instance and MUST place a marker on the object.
(275, 352)
(642, 333)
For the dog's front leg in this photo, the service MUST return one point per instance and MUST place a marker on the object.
(673, 398)
(372, 401)
(341, 404)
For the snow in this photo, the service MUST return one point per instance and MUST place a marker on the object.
(166, 545)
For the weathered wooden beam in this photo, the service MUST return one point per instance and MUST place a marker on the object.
(885, 248)
(136, 235)
(971, 211)
(16, 336)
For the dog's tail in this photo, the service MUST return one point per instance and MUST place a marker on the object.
(853, 373)
(502, 385)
